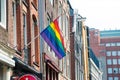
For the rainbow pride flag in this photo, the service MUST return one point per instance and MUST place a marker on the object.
(54, 39)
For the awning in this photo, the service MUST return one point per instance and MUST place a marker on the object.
(21, 65)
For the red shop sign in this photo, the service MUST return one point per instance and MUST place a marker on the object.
(27, 77)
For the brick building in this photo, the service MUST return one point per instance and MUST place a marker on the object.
(105, 45)
(111, 40)
(23, 37)
(52, 67)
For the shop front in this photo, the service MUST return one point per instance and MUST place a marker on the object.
(24, 71)
(6, 62)
(51, 68)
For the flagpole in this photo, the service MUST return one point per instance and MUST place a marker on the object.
(32, 40)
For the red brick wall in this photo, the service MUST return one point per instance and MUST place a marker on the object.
(72, 50)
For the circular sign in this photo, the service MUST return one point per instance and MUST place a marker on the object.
(27, 77)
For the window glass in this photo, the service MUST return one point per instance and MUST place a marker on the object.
(108, 53)
(118, 53)
(109, 70)
(119, 61)
(119, 70)
(114, 61)
(107, 44)
(118, 44)
(115, 70)
(3, 13)
(109, 62)
(112, 44)
(114, 53)
(110, 78)
(116, 78)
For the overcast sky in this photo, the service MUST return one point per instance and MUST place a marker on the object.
(100, 14)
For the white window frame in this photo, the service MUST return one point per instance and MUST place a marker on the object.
(3, 13)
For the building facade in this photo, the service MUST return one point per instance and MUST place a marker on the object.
(111, 40)
(24, 37)
(94, 70)
(54, 68)
(6, 51)
(99, 50)
(79, 65)
(108, 52)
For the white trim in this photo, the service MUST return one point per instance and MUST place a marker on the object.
(6, 59)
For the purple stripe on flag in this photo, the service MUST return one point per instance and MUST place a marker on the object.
(50, 44)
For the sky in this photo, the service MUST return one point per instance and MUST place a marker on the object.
(100, 14)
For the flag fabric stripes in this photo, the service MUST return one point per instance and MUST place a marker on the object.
(54, 39)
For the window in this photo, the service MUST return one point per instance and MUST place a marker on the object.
(25, 38)
(77, 48)
(114, 53)
(108, 53)
(96, 33)
(112, 44)
(114, 61)
(109, 70)
(116, 78)
(118, 44)
(52, 2)
(110, 78)
(115, 70)
(118, 53)
(119, 70)
(109, 61)
(35, 39)
(107, 44)
(65, 65)
(3, 13)
(119, 61)
(14, 24)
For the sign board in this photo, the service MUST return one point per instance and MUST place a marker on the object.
(27, 77)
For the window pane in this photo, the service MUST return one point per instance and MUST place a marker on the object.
(115, 78)
(3, 13)
(115, 70)
(109, 62)
(118, 44)
(118, 53)
(119, 61)
(110, 78)
(114, 53)
(107, 44)
(119, 70)
(112, 44)
(109, 70)
(108, 53)
(114, 61)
